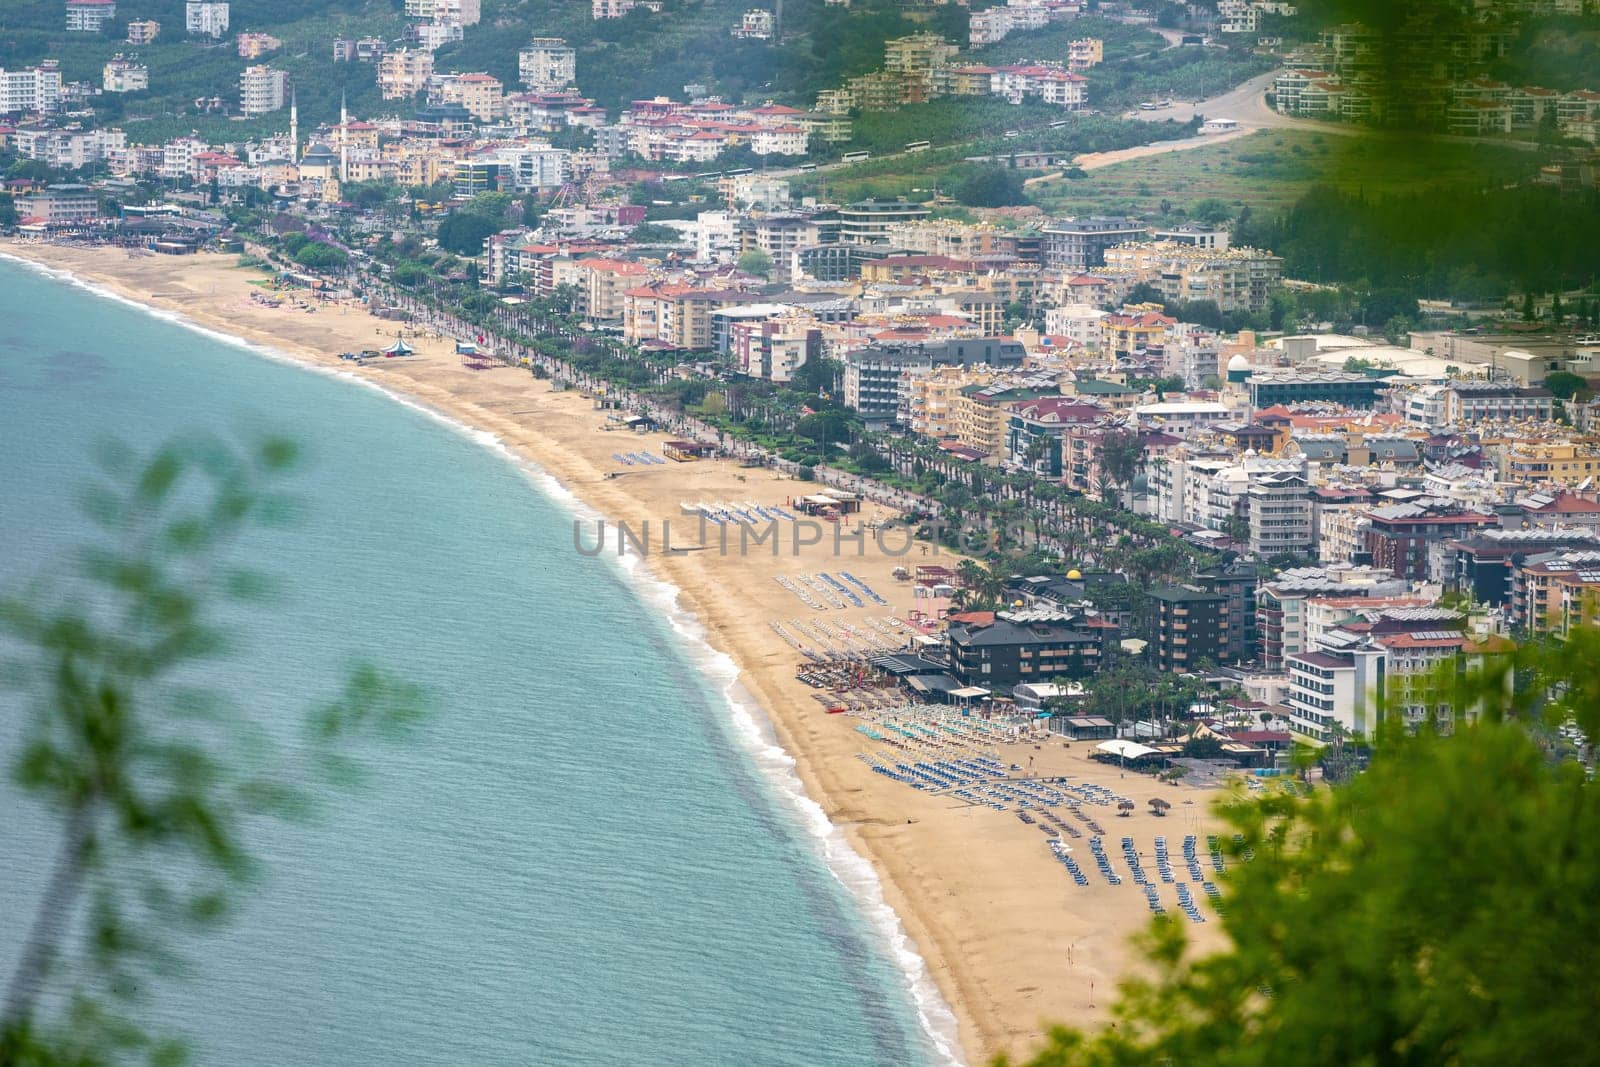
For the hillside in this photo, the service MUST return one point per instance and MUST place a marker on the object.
(184, 69)
(646, 55)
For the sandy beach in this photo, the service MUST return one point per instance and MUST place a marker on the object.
(1011, 941)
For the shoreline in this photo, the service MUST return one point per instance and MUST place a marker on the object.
(997, 936)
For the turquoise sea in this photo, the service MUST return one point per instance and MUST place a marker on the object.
(592, 855)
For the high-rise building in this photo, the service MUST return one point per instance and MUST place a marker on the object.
(460, 12)
(481, 94)
(143, 31)
(263, 90)
(206, 18)
(1191, 628)
(31, 89)
(404, 73)
(547, 64)
(89, 16)
(1078, 244)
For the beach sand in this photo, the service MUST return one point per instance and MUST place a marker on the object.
(1011, 941)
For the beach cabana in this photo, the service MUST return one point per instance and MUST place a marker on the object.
(969, 694)
(399, 348)
(1120, 750)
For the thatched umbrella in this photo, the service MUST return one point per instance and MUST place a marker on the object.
(1158, 806)
(1124, 807)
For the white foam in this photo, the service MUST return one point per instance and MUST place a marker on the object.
(750, 726)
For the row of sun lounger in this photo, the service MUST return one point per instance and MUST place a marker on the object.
(637, 459)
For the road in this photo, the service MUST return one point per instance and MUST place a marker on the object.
(1245, 104)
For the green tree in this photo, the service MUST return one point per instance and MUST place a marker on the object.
(653, 233)
(755, 261)
(464, 232)
(1440, 907)
(1529, 312)
(156, 783)
(1212, 211)
(987, 185)
(1565, 385)
(1121, 457)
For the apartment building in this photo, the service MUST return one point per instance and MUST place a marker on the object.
(980, 415)
(263, 90)
(547, 64)
(62, 203)
(1398, 536)
(1235, 279)
(773, 349)
(89, 16)
(122, 75)
(602, 285)
(1084, 53)
(1536, 462)
(1036, 431)
(32, 89)
(1485, 563)
(1191, 628)
(481, 94)
(1048, 83)
(532, 167)
(1385, 665)
(877, 378)
(675, 316)
(256, 45)
(755, 25)
(404, 73)
(1279, 511)
(935, 396)
(868, 222)
(1554, 591)
(1124, 335)
(1078, 244)
(143, 31)
(1281, 604)
(460, 12)
(206, 18)
(1002, 649)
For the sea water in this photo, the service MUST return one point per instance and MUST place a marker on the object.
(592, 853)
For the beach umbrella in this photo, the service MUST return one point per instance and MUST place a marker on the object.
(1159, 806)
(1124, 807)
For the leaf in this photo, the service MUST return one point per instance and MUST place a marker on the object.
(159, 476)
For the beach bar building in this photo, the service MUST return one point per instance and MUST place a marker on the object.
(686, 451)
(834, 502)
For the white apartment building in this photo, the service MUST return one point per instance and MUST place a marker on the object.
(70, 148)
(1078, 322)
(89, 16)
(263, 90)
(716, 237)
(1280, 514)
(143, 31)
(460, 12)
(534, 167)
(31, 89)
(124, 76)
(433, 36)
(206, 18)
(177, 158)
(547, 64)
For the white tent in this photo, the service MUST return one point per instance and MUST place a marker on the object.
(1125, 749)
